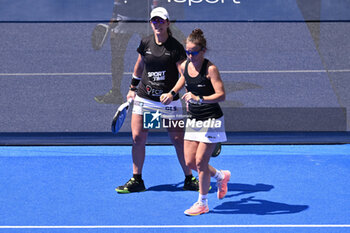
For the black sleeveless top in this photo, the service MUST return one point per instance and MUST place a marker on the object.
(201, 85)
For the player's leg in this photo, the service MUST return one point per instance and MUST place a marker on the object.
(177, 138)
(190, 149)
(222, 178)
(203, 154)
(176, 135)
(202, 157)
(139, 137)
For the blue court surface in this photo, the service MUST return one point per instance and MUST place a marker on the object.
(286, 188)
(285, 65)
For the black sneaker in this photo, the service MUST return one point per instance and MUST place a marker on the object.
(131, 186)
(191, 184)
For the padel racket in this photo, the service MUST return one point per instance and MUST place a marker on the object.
(120, 116)
(217, 150)
(99, 35)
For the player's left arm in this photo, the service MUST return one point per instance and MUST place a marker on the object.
(216, 81)
(166, 98)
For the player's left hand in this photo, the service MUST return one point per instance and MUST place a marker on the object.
(166, 98)
(190, 98)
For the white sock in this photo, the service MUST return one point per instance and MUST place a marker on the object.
(203, 199)
(219, 175)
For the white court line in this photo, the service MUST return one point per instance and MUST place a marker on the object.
(178, 226)
(223, 72)
(283, 71)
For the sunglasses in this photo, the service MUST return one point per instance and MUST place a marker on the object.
(193, 53)
(155, 21)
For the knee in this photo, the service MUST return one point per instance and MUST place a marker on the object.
(191, 163)
(201, 165)
(177, 140)
(138, 139)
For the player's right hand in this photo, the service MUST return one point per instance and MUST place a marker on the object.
(131, 95)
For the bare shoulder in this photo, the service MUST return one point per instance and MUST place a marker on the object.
(182, 65)
(212, 69)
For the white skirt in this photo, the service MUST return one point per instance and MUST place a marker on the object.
(173, 111)
(209, 131)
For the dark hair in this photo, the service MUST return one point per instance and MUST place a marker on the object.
(197, 37)
(168, 30)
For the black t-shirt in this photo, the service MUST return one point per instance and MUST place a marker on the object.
(160, 73)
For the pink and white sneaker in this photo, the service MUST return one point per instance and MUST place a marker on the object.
(197, 209)
(222, 184)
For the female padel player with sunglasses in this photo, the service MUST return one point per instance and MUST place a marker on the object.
(205, 126)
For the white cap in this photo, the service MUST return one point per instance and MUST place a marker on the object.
(159, 12)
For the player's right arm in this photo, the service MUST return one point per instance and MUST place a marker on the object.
(137, 74)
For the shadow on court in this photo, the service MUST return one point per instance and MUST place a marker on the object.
(241, 189)
(167, 187)
(249, 205)
(257, 206)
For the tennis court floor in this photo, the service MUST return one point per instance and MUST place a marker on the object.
(274, 188)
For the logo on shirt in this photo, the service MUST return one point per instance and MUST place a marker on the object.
(153, 92)
(156, 75)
